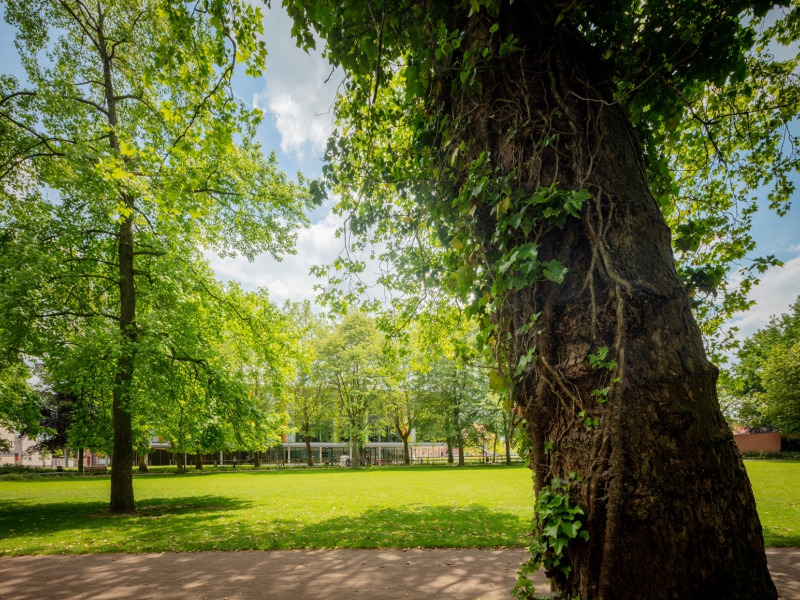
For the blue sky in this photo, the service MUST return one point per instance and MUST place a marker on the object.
(297, 106)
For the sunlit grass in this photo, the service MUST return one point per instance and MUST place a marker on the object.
(776, 485)
(369, 508)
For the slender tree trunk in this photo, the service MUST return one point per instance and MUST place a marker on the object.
(460, 442)
(256, 459)
(122, 499)
(309, 457)
(449, 451)
(512, 427)
(667, 502)
(494, 450)
(406, 453)
(198, 461)
(80, 460)
(179, 462)
(142, 462)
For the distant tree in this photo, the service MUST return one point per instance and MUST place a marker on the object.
(781, 380)
(743, 385)
(405, 401)
(308, 398)
(351, 357)
(57, 411)
(20, 404)
(456, 391)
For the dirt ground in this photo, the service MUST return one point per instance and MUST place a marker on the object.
(300, 574)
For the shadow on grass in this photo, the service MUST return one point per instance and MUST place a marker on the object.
(218, 523)
(87, 527)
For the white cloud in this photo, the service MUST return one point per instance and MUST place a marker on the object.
(794, 248)
(296, 93)
(296, 127)
(779, 288)
(289, 278)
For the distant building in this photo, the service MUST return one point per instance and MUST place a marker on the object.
(17, 455)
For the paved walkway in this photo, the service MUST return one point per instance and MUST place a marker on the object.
(301, 574)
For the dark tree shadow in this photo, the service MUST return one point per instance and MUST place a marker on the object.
(159, 524)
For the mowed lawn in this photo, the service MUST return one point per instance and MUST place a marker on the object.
(269, 510)
(368, 508)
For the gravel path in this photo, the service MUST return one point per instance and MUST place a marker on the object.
(300, 574)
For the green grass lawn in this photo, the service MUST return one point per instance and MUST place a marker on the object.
(370, 508)
(776, 484)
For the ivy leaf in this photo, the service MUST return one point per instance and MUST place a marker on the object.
(555, 271)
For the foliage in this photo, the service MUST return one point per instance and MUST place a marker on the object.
(710, 100)
(743, 385)
(19, 403)
(782, 383)
(308, 401)
(352, 361)
(557, 523)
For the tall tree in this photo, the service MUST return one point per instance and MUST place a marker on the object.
(743, 383)
(149, 155)
(537, 146)
(351, 357)
(759, 385)
(309, 398)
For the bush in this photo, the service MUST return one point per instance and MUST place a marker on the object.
(772, 455)
(6, 469)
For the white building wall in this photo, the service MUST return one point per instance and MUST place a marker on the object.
(18, 447)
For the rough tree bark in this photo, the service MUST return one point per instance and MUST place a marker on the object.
(668, 504)
(198, 461)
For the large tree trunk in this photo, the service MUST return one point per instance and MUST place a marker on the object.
(179, 462)
(667, 501)
(460, 443)
(256, 459)
(198, 461)
(309, 457)
(406, 453)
